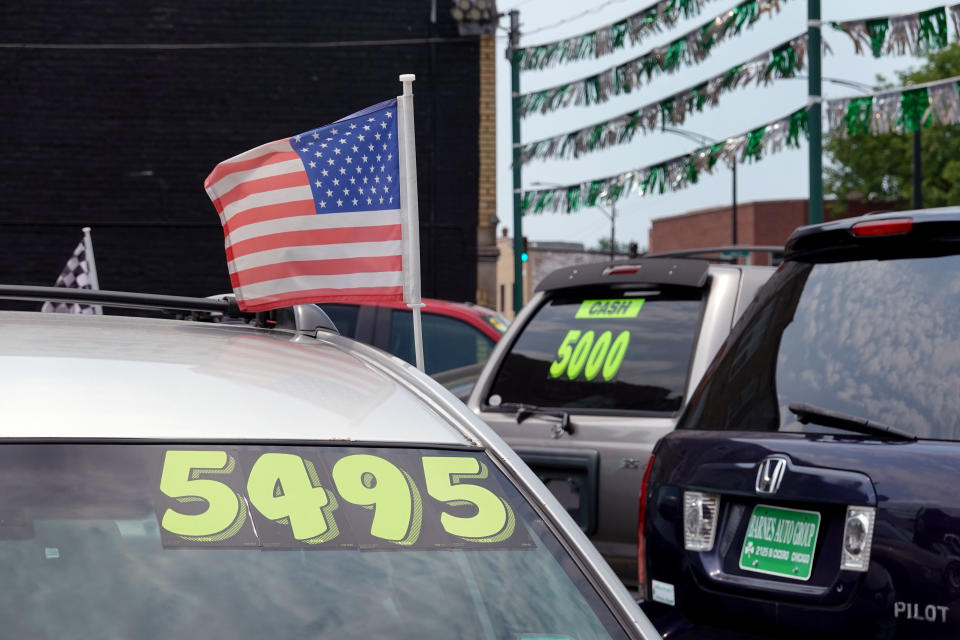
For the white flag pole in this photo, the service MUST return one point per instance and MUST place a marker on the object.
(411, 211)
(91, 265)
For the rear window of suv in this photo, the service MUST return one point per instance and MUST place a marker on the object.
(603, 351)
(878, 340)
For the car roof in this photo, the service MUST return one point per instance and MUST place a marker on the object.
(74, 376)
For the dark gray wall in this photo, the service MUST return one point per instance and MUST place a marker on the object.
(121, 139)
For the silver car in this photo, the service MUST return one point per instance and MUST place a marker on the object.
(165, 478)
(595, 370)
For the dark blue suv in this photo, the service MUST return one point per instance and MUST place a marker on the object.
(812, 486)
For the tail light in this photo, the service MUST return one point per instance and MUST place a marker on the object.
(700, 511)
(887, 227)
(622, 270)
(641, 540)
(857, 538)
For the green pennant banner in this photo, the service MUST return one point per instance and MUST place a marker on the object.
(903, 110)
(784, 61)
(691, 48)
(609, 38)
(913, 33)
(672, 174)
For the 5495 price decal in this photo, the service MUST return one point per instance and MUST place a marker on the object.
(583, 352)
(284, 500)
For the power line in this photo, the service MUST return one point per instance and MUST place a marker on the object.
(574, 17)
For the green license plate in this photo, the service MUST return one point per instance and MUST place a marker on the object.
(780, 542)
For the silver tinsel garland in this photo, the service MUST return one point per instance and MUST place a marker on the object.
(693, 47)
(883, 116)
(886, 109)
(945, 103)
(901, 37)
(673, 174)
(621, 129)
(600, 42)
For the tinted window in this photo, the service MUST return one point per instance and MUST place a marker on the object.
(596, 352)
(448, 343)
(874, 339)
(344, 316)
(95, 543)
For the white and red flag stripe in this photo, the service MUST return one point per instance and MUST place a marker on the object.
(315, 217)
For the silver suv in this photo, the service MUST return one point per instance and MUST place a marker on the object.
(596, 369)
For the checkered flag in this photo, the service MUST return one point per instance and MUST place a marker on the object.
(76, 275)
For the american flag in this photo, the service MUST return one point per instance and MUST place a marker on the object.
(315, 217)
(75, 275)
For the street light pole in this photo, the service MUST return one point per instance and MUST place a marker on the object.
(917, 171)
(613, 226)
(514, 53)
(733, 209)
(699, 138)
(612, 214)
(815, 123)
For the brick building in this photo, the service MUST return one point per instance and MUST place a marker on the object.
(765, 222)
(113, 112)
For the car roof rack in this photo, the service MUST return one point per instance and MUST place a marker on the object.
(304, 318)
(709, 253)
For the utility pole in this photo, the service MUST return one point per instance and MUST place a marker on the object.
(514, 54)
(917, 170)
(733, 209)
(814, 100)
(613, 226)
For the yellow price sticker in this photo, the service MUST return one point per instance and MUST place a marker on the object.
(332, 498)
(590, 309)
(584, 352)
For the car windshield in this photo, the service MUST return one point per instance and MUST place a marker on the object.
(497, 321)
(605, 351)
(242, 541)
(877, 340)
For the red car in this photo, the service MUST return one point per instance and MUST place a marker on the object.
(455, 334)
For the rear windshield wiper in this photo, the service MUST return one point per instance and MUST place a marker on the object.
(525, 411)
(809, 413)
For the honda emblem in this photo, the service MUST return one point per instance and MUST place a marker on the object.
(770, 474)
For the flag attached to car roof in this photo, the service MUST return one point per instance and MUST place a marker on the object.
(315, 217)
(75, 275)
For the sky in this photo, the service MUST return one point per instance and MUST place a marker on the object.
(777, 176)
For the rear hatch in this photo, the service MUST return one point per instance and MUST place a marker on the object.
(809, 483)
(778, 557)
(592, 375)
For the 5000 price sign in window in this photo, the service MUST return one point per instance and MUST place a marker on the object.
(595, 352)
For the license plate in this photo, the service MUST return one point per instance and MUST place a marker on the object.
(780, 542)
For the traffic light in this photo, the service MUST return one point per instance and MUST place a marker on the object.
(524, 256)
(634, 250)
